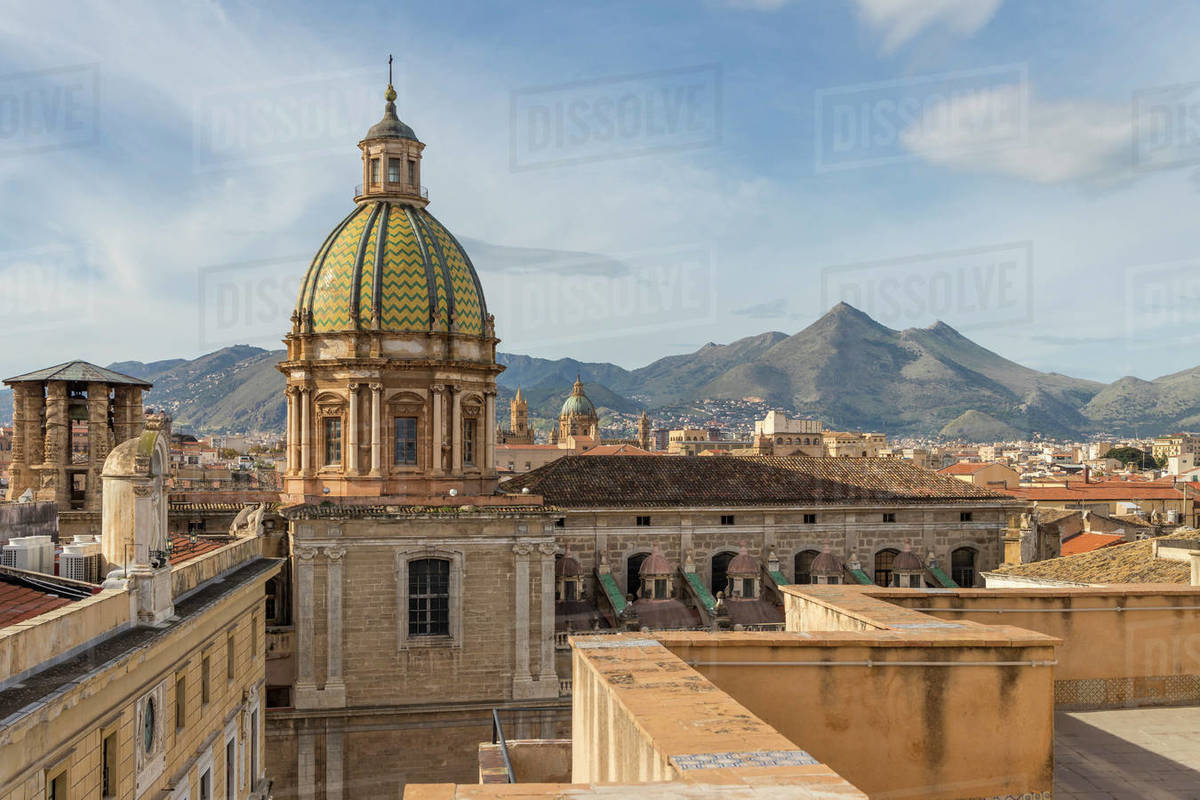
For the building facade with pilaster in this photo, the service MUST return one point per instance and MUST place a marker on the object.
(421, 598)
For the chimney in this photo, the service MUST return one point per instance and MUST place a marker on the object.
(1087, 473)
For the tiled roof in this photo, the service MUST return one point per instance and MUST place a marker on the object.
(962, 468)
(1051, 516)
(19, 603)
(1087, 542)
(80, 371)
(618, 450)
(1109, 490)
(182, 548)
(1123, 563)
(629, 481)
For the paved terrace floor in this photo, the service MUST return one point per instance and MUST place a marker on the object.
(1142, 753)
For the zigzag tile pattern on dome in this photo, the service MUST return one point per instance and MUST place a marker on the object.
(395, 268)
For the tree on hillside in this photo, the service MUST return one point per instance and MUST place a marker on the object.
(1140, 459)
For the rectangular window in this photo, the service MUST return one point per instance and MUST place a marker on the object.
(660, 588)
(279, 697)
(469, 441)
(56, 787)
(254, 734)
(727, 519)
(333, 441)
(253, 636)
(205, 672)
(747, 587)
(230, 770)
(889, 516)
(642, 522)
(406, 440)
(561, 522)
(393, 170)
(569, 591)
(180, 701)
(429, 597)
(834, 579)
(230, 656)
(206, 785)
(810, 519)
(964, 516)
(412, 172)
(374, 170)
(108, 767)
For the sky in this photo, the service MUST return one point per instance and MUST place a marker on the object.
(632, 180)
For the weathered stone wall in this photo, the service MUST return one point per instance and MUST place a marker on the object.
(38, 518)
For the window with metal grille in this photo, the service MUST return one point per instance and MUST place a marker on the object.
(642, 522)
(469, 441)
(964, 516)
(810, 519)
(333, 440)
(429, 597)
(394, 170)
(727, 519)
(889, 516)
(883, 566)
(406, 440)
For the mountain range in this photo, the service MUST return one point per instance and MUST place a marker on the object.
(845, 369)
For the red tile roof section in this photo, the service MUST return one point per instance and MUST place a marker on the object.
(1087, 542)
(19, 603)
(182, 548)
(1108, 490)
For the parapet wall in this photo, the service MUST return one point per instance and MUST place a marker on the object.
(192, 573)
(58, 634)
(1136, 645)
(28, 519)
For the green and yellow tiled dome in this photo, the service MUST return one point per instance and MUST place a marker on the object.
(392, 267)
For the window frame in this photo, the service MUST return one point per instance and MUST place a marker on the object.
(470, 442)
(403, 558)
(180, 700)
(327, 441)
(728, 519)
(965, 516)
(888, 516)
(641, 521)
(428, 592)
(415, 419)
(809, 519)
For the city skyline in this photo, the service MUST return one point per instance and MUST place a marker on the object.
(1046, 219)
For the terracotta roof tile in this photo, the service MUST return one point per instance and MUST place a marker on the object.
(631, 481)
(1122, 563)
(1087, 542)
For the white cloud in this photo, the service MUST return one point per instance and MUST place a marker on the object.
(1000, 131)
(900, 21)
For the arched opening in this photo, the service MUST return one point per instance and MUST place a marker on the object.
(803, 566)
(883, 566)
(633, 566)
(720, 569)
(962, 567)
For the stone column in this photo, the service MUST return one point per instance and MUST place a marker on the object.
(20, 423)
(334, 760)
(333, 611)
(305, 430)
(522, 680)
(34, 409)
(547, 673)
(489, 434)
(55, 450)
(376, 428)
(303, 597)
(306, 765)
(456, 438)
(437, 435)
(352, 452)
(98, 443)
(289, 436)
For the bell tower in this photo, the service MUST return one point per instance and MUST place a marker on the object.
(518, 415)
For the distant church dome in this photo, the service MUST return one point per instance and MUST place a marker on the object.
(577, 404)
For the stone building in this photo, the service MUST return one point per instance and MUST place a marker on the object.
(422, 599)
(424, 594)
(518, 431)
(66, 419)
(150, 685)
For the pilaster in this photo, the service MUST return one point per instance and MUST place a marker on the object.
(523, 687)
